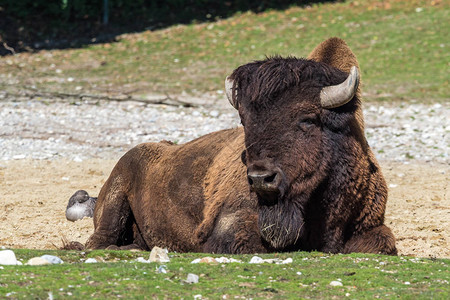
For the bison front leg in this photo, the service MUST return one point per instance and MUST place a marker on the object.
(377, 240)
(235, 233)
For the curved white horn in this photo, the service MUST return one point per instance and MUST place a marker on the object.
(229, 92)
(338, 95)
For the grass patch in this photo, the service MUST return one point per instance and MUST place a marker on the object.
(362, 276)
(402, 47)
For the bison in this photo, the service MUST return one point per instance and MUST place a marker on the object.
(298, 175)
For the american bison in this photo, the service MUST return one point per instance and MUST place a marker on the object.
(298, 175)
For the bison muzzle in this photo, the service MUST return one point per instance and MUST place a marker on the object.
(298, 175)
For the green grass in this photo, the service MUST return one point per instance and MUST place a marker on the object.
(402, 47)
(363, 277)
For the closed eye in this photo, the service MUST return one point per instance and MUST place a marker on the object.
(307, 122)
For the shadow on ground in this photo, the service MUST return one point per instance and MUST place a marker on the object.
(27, 25)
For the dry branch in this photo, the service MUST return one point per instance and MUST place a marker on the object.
(34, 93)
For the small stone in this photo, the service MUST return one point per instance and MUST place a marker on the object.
(19, 156)
(192, 278)
(142, 260)
(214, 113)
(286, 261)
(222, 260)
(256, 260)
(52, 259)
(38, 261)
(196, 261)
(208, 260)
(90, 261)
(159, 255)
(336, 283)
(7, 257)
(162, 269)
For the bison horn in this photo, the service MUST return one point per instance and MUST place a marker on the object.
(229, 92)
(338, 95)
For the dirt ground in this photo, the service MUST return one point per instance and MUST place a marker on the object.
(34, 195)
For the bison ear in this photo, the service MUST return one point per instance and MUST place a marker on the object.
(335, 52)
(229, 91)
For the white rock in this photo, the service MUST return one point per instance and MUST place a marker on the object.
(37, 261)
(208, 260)
(214, 113)
(142, 260)
(222, 260)
(159, 255)
(162, 269)
(336, 283)
(52, 259)
(196, 261)
(192, 278)
(286, 261)
(256, 260)
(7, 257)
(90, 261)
(77, 159)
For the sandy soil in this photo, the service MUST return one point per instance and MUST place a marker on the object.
(34, 195)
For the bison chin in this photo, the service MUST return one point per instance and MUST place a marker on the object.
(281, 225)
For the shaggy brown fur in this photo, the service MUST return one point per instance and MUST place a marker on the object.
(330, 194)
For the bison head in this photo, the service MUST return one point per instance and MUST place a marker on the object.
(300, 117)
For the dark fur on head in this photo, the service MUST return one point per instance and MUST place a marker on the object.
(262, 81)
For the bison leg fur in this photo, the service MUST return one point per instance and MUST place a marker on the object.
(377, 240)
(235, 233)
(113, 219)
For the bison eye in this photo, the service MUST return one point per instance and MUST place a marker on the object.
(307, 123)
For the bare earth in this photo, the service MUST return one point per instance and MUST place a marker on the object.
(34, 195)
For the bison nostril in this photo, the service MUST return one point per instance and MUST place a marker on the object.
(263, 180)
(270, 179)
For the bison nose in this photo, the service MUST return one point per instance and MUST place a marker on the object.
(266, 184)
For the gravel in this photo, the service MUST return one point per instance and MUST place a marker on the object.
(81, 130)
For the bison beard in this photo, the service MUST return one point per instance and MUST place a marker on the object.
(281, 225)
